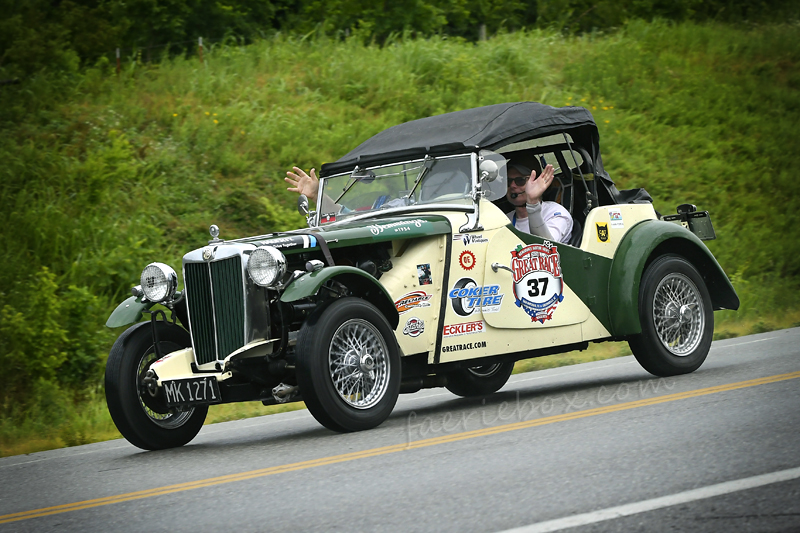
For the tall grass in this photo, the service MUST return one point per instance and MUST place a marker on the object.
(102, 174)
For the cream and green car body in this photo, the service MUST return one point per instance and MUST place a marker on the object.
(463, 293)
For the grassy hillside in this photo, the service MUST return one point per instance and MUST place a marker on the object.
(103, 174)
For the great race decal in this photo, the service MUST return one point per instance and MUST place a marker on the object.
(468, 346)
(538, 284)
(466, 296)
(412, 300)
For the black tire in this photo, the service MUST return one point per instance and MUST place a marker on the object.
(676, 317)
(479, 380)
(145, 421)
(458, 303)
(328, 347)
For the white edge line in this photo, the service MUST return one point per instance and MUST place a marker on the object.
(659, 503)
(748, 342)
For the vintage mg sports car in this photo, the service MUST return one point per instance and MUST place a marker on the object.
(410, 275)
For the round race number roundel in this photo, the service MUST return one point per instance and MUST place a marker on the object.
(467, 260)
(538, 284)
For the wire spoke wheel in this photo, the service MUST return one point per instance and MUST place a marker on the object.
(172, 418)
(676, 317)
(348, 365)
(139, 411)
(359, 364)
(678, 314)
(485, 371)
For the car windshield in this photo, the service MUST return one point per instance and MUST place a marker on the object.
(425, 181)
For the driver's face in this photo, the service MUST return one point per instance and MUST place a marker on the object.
(516, 187)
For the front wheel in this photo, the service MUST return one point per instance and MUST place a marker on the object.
(479, 380)
(676, 317)
(348, 366)
(144, 420)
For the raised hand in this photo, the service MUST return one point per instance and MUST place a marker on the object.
(303, 183)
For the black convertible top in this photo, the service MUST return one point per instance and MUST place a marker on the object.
(470, 130)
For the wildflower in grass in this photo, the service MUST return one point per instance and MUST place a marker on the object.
(207, 113)
(215, 114)
(583, 99)
(606, 121)
(174, 114)
(617, 131)
(605, 108)
(216, 121)
(242, 132)
(594, 108)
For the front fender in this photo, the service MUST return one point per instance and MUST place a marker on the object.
(361, 283)
(643, 243)
(128, 312)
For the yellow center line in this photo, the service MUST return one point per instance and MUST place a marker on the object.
(373, 452)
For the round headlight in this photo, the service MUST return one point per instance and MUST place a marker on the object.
(159, 282)
(266, 266)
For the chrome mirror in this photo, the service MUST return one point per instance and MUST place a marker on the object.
(302, 205)
(489, 170)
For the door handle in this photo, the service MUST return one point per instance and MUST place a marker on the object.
(497, 266)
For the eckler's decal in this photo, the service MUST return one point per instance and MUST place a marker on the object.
(424, 274)
(538, 284)
(412, 300)
(414, 327)
(467, 346)
(615, 216)
(602, 232)
(466, 260)
(467, 328)
(466, 296)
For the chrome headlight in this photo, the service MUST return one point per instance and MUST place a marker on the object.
(266, 266)
(159, 282)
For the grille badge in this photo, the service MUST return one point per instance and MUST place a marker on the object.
(208, 253)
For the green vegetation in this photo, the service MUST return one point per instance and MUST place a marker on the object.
(103, 174)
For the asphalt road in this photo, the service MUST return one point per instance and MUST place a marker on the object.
(600, 446)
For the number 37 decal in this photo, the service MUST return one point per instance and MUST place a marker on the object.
(533, 286)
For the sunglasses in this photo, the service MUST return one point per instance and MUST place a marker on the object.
(520, 181)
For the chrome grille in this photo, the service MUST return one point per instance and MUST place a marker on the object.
(215, 298)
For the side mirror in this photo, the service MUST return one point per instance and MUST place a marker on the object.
(302, 205)
(489, 170)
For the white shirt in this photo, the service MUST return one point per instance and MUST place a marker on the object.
(556, 218)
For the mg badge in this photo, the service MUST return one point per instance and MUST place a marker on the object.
(208, 254)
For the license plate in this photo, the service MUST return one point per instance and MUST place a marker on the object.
(195, 391)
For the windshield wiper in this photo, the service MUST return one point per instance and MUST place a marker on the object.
(356, 176)
(427, 163)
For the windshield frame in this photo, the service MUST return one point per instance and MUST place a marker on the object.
(418, 164)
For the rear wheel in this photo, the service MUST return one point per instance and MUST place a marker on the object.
(676, 317)
(143, 419)
(479, 380)
(348, 366)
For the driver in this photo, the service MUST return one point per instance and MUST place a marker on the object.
(531, 214)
